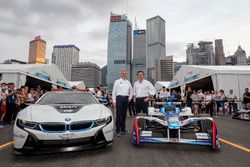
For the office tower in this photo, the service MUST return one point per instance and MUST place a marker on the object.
(104, 75)
(88, 72)
(64, 56)
(219, 52)
(119, 48)
(164, 68)
(37, 49)
(139, 53)
(155, 44)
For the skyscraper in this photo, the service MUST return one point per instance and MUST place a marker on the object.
(164, 68)
(202, 55)
(64, 56)
(155, 44)
(219, 52)
(37, 51)
(139, 53)
(88, 72)
(240, 56)
(119, 47)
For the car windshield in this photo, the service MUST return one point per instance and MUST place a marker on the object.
(67, 98)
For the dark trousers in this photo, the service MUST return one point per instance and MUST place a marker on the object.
(10, 110)
(141, 105)
(121, 113)
(131, 108)
(233, 106)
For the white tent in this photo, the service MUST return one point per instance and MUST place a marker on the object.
(78, 84)
(213, 77)
(38, 73)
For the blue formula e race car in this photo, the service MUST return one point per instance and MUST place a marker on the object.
(170, 124)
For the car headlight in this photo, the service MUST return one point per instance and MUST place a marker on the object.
(103, 121)
(27, 124)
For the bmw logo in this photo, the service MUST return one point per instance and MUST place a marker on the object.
(67, 119)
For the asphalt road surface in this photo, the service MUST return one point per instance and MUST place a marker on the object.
(123, 154)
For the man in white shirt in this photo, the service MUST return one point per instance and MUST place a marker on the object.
(231, 98)
(98, 92)
(121, 95)
(164, 93)
(143, 91)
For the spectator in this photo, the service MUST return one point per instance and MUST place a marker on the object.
(208, 100)
(164, 94)
(195, 99)
(98, 92)
(231, 100)
(11, 98)
(246, 100)
(188, 97)
(221, 99)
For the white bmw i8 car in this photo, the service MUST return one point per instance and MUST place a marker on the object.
(63, 121)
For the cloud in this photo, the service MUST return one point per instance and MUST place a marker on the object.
(85, 24)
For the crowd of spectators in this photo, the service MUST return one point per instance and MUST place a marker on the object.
(13, 99)
(208, 101)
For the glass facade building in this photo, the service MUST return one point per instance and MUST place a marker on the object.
(119, 48)
(139, 53)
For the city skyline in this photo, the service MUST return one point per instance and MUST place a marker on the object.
(22, 20)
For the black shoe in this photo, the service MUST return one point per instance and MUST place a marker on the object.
(124, 132)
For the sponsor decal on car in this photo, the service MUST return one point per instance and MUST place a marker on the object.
(146, 133)
(202, 136)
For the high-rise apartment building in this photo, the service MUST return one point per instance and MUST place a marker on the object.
(240, 56)
(202, 55)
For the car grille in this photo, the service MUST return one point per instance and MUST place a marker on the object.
(62, 127)
(53, 127)
(78, 126)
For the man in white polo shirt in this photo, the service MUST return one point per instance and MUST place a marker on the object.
(121, 95)
(143, 91)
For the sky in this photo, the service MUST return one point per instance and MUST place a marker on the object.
(85, 24)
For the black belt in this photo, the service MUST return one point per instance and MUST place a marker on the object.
(122, 96)
(141, 97)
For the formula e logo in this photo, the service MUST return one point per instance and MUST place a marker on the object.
(67, 119)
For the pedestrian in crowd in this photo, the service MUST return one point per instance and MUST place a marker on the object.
(143, 91)
(195, 99)
(208, 100)
(11, 98)
(188, 97)
(246, 100)
(174, 95)
(22, 97)
(231, 100)
(121, 95)
(221, 99)
(98, 92)
(164, 94)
